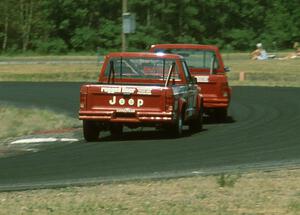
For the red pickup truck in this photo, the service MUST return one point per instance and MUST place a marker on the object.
(206, 64)
(141, 89)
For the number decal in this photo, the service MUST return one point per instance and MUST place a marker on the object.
(202, 78)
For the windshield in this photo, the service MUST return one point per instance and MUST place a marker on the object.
(141, 68)
(201, 59)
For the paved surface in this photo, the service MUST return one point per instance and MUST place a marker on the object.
(264, 132)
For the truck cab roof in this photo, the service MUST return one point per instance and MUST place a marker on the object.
(144, 55)
(144, 68)
(184, 46)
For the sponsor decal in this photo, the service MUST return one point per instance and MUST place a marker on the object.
(111, 89)
(202, 78)
(144, 91)
(125, 110)
(127, 90)
(123, 101)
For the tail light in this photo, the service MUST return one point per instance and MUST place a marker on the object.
(169, 101)
(83, 97)
(225, 90)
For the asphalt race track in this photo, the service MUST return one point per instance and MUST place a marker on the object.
(262, 132)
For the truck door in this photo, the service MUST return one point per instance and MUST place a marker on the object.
(192, 92)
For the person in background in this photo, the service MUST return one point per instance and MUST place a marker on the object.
(260, 53)
(293, 55)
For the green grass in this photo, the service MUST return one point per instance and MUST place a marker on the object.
(34, 56)
(23, 121)
(50, 72)
(258, 73)
(274, 192)
(272, 72)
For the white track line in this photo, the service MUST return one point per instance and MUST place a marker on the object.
(44, 140)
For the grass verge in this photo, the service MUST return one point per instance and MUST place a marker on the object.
(37, 57)
(22, 121)
(257, 73)
(274, 192)
(50, 72)
(284, 73)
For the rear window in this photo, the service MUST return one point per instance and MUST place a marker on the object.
(141, 68)
(201, 59)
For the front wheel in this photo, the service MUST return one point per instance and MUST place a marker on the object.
(90, 131)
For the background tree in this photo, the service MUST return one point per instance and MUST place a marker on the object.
(7, 17)
(59, 26)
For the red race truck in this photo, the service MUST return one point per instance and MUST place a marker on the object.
(206, 64)
(141, 89)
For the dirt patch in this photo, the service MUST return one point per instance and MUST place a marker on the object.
(3, 152)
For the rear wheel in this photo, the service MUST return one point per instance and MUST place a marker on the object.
(116, 130)
(90, 131)
(221, 114)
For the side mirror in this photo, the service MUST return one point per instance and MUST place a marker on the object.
(227, 69)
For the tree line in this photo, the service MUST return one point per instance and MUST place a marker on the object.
(60, 26)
